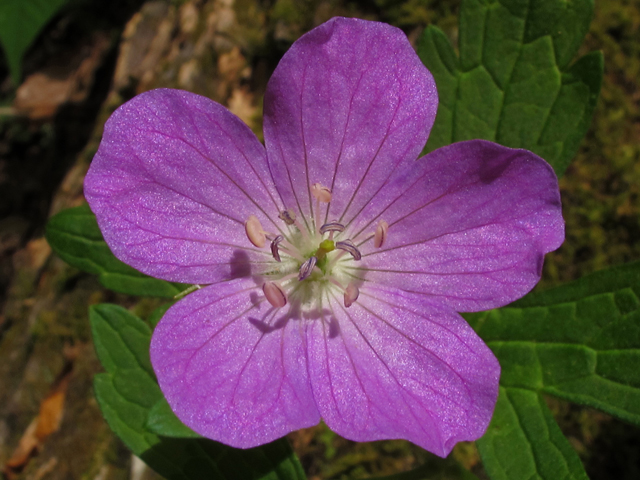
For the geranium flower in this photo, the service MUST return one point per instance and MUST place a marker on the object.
(332, 262)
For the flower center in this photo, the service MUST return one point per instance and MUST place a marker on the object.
(309, 262)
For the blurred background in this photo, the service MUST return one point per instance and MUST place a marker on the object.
(80, 59)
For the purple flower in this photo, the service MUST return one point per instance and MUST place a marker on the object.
(334, 261)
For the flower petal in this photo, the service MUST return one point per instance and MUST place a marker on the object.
(173, 181)
(468, 225)
(395, 366)
(349, 102)
(231, 368)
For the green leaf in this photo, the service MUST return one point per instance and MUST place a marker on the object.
(512, 83)
(155, 316)
(20, 23)
(523, 441)
(127, 394)
(75, 236)
(579, 341)
(121, 340)
(162, 421)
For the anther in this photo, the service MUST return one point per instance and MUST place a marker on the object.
(274, 294)
(351, 294)
(306, 268)
(274, 247)
(348, 246)
(254, 231)
(381, 234)
(321, 193)
(331, 227)
(288, 216)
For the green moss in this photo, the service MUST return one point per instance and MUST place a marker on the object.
(601, 189)
(251, 32)
(292, 12)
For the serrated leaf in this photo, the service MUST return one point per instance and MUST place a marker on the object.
(523, 441)
(162, 421)
(127, 393)
(20, 23)
(74, 235)
(121, 339)
(512, 83)
(579, 341)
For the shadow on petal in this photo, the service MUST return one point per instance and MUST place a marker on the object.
(494, 167)
(316, 314)
(265, 327)
(240, 265)
(334, 327)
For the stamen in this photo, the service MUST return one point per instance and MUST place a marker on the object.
(351, 294)
(291, 250)
(274, 247)
(381, 234)
(288, 217)
(321, 193)
(348, 246)
(274, 294)
(306, 268)
(254, 231)
(331, 227)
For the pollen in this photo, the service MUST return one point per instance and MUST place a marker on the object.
(321, 193)
(254, 231)
(274, 294)
(380, 236)
(288, 217)
(351, 294)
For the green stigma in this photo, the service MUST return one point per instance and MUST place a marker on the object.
(325, 247)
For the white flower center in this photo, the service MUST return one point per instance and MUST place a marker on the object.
(310, 262)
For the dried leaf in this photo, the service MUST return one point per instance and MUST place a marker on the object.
(47, 422)
(42, 93)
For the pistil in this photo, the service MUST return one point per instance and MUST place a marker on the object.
(325, 247)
